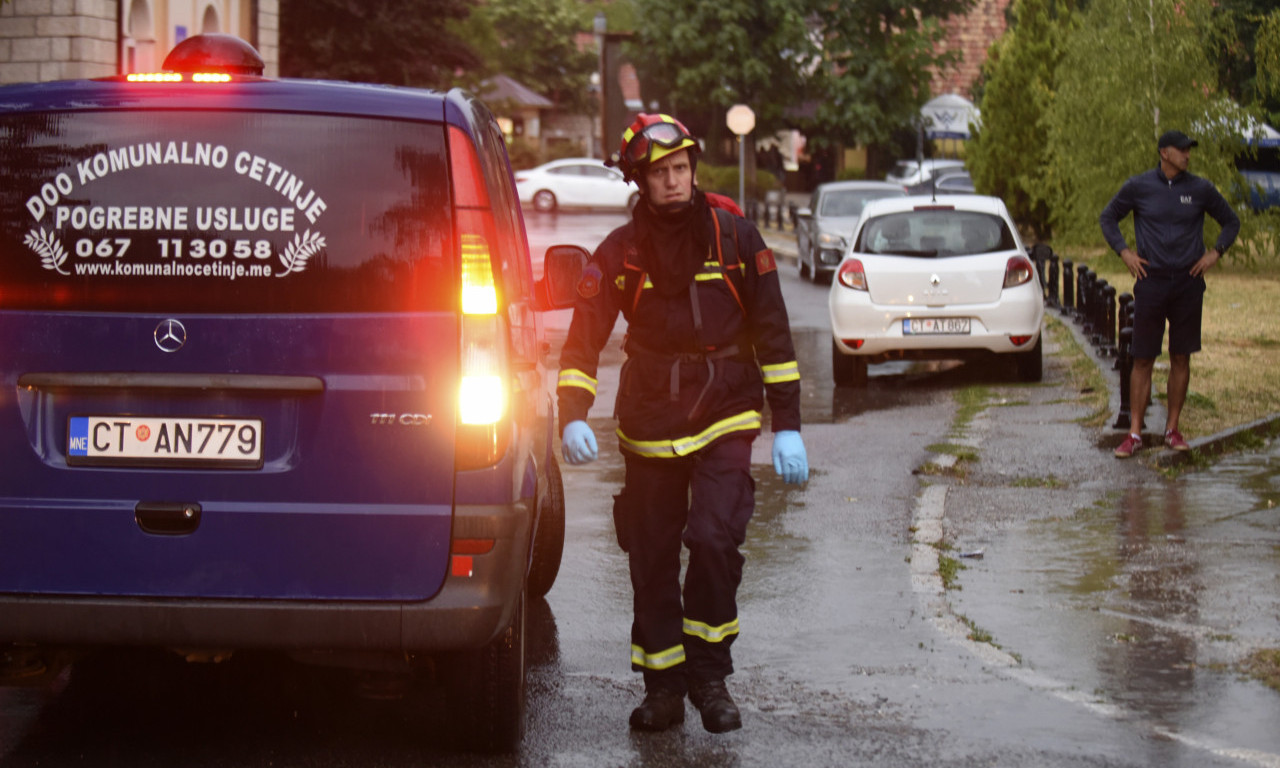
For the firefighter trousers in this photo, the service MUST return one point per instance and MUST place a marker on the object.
(703, 501)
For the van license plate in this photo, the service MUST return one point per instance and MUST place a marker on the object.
(920, 326)
(165, 441)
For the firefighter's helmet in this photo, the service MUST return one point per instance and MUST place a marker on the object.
(649, 139)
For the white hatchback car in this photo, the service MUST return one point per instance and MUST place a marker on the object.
(575, 182)
(935, 278)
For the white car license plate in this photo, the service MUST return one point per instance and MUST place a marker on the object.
(921, 326)
(164, 441)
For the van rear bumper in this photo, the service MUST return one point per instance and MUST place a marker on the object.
(467, 612)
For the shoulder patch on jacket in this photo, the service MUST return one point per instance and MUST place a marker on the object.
(765, 262)
(589, 283)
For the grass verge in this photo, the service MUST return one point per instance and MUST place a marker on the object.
(1231, 379)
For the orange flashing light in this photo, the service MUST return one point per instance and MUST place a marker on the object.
(154, 77)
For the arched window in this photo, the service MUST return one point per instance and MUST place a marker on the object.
(210, 21)
(139, 45)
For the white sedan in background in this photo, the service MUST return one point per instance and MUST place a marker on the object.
(926, 278)
(575, 182)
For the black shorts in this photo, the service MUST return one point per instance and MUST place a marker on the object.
(1177, 298)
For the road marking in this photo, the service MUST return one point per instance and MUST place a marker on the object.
(927, 523)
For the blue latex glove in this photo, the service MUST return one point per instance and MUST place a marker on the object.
(578, 445)
(789, 459)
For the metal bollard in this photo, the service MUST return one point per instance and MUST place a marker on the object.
(1053, 278)
(1109, 318)
(1097, 312)
(1068, 287)
(1084, 281)
(1124, 319)
(1124, 361)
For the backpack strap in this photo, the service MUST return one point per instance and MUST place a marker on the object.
(727, 242)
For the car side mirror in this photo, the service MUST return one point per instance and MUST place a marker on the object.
(804, 213)
(561, 271)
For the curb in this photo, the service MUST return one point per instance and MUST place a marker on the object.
(1213, 445)
(1219, 444)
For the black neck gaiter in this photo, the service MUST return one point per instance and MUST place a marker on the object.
(672, 242)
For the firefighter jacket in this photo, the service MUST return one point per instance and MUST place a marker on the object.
(699, 362)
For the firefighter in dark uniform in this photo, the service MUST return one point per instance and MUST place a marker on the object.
(707, 340)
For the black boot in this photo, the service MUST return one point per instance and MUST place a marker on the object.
(660, 710)
(719, 713)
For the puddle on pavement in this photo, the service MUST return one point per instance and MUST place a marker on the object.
(1149, 598)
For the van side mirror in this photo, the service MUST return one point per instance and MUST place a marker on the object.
(561, 270)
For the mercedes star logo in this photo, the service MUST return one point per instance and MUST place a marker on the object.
(170, 335)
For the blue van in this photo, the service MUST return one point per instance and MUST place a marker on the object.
(272, 378)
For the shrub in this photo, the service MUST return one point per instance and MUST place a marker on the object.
(724, 180)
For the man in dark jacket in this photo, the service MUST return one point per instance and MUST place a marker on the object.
(1168, 205)
(707, 339)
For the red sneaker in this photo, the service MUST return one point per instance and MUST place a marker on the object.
(1173, 439)
(1131, 445)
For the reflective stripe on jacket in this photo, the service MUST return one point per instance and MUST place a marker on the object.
(682, 386)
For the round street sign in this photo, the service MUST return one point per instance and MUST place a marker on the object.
(740, 119)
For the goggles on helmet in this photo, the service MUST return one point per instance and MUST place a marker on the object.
(668, 136)
(650, 143)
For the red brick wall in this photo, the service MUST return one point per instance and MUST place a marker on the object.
(971, 35)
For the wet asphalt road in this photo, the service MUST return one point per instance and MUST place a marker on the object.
(1112, 605)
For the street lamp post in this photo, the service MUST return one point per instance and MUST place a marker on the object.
(741, 120)
(600, 25)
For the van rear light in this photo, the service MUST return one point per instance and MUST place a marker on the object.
(1017, 271)
(1018, 341)
(484, 422)
(852, 275)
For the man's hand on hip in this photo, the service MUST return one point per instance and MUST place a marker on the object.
(1136, 265)
(1206, 261)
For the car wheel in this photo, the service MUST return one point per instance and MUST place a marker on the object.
(1029, 365)
(548, 542)
(847, 370)
(544, 200)
(486, 689)
(633, 201)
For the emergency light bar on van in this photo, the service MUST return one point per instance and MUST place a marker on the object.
(178, 77)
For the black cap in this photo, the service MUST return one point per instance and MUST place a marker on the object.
(1177, 139)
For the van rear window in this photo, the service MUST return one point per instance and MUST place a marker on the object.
(228, 212)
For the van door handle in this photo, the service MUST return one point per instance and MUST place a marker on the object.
(167, 518)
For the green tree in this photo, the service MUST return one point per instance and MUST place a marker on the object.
(534, 42)
(1008, 156)
(1236, 44)
(699, 58)
(1132, 70)
(397, 42)
(1268, 56)
(843, 72)
(876, 61)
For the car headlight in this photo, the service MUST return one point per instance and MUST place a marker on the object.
(828, 240)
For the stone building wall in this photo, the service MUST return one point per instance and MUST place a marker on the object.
(971, 36)
(43, 40)
(57, 39)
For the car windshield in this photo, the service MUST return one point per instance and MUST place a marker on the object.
(229, 211)
(935, 233)
(847, 203)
